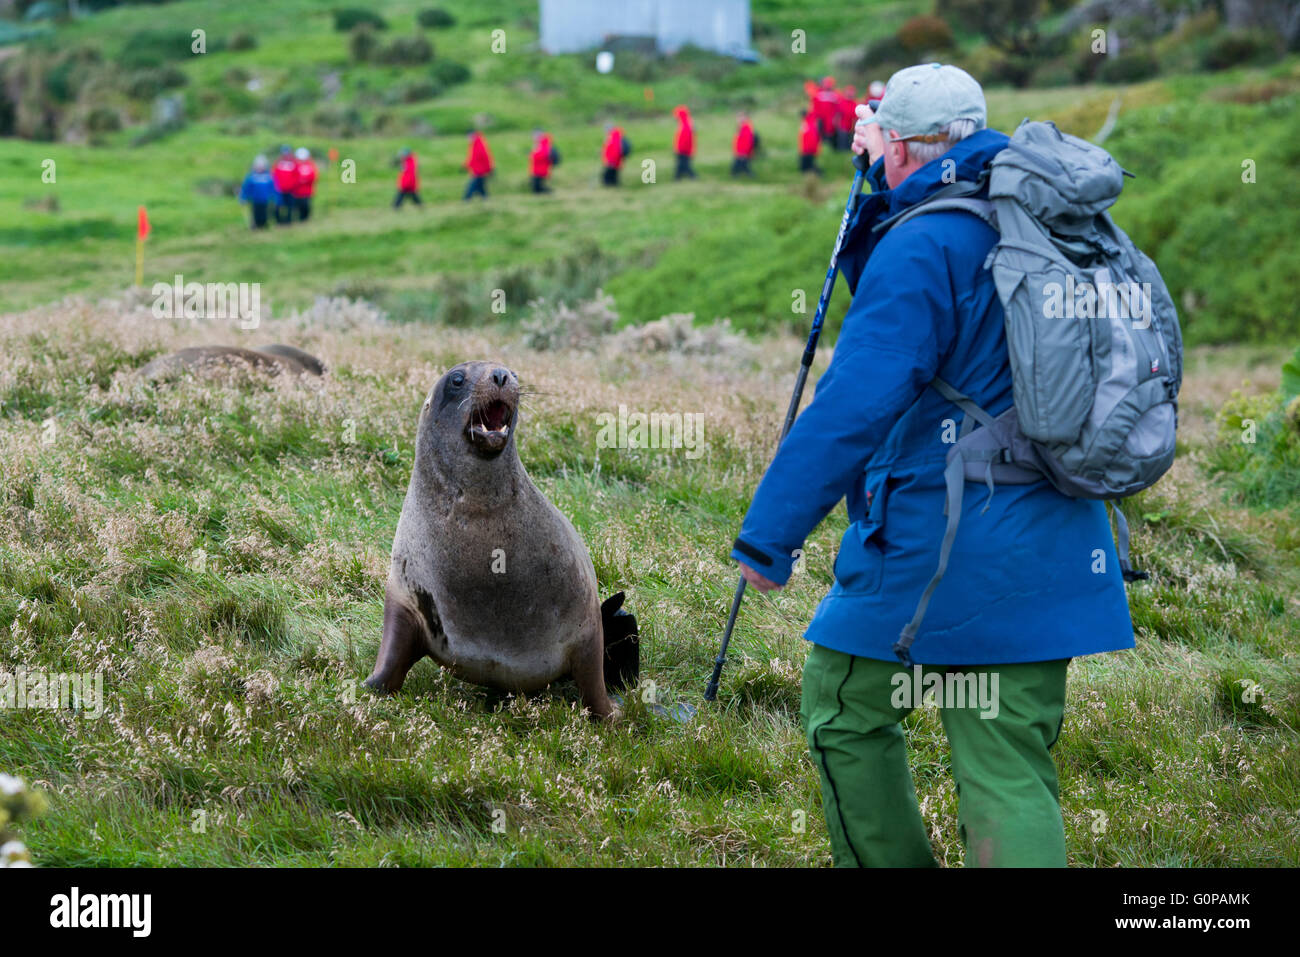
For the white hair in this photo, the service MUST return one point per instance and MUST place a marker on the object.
(955, 132)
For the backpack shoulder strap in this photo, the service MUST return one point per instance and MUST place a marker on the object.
(959, 195)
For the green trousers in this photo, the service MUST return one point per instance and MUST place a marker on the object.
(1009, 808)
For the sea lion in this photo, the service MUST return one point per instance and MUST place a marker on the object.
(487, 577)
(273, 359)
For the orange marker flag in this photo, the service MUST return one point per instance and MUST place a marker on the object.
(141, 231)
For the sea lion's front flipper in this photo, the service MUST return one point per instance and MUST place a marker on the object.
(404, 644)
(622, 644)
(590, 676)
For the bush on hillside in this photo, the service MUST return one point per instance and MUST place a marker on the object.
(450, 73)
(243, 41)
(885, 55)
(1131, 66)
(559, 326)
(454, 305)
(405, 51)
(1258, 445)
(415, 91)
(146, 84)
(924, 34)
(348, 18)
(435, 18)
(362, 43)
(1236, 47)
(103, 119)
(146, 48)
(1223, 230)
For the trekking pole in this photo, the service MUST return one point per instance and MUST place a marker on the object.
(810, 350)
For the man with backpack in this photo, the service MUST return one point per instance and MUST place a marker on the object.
(918, 407)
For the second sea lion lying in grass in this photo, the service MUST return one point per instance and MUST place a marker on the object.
(274, 360)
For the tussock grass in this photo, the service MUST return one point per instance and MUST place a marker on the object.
(218, 549)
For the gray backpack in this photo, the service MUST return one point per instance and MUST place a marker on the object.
(1092, 333)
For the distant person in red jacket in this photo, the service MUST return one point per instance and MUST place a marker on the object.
(408, 180)
(845, 117)
(617, 148)
(284, 174)
(743, 148)
(684, 146)
(540, 161)
(479, 164)
(809, 144)
(827, 105)
(305, 187)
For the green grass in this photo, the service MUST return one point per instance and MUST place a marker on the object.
(713, 247)
(218, 550)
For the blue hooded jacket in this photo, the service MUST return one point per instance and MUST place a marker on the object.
(258, 187)
(1033, 577)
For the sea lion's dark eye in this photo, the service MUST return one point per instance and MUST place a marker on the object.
(458, 379)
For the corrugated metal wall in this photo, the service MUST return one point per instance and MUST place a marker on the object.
(568, 26)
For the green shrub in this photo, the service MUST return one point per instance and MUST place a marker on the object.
(450, 73)
(1226, 241)
(455, 305)
(1130, 66)
(362, 43)
(103, 119)
(338, 121)
(1258, 444)
(143, 84)
(636, 67)
(348, 18)
(405, 51)
(1235, 47)
(925, 33)
(1010, 70)
(1056, 72)
(243, 41)
(885, 55)
(435, 18)
(416, 91)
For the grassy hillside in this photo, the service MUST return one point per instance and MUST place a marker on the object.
(713, 247)
(218, 547)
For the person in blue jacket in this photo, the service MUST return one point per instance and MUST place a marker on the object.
(258, 190)
(1033, 579)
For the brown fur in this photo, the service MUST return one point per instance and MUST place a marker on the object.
(470, 504)
(274, 359)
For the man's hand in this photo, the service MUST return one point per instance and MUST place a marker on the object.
(757, 580)
(867, 138)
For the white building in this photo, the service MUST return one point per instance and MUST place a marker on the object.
(570, 26)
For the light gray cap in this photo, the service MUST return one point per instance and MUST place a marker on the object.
(921, 100)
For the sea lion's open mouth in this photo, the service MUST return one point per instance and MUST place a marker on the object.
(489, 426)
